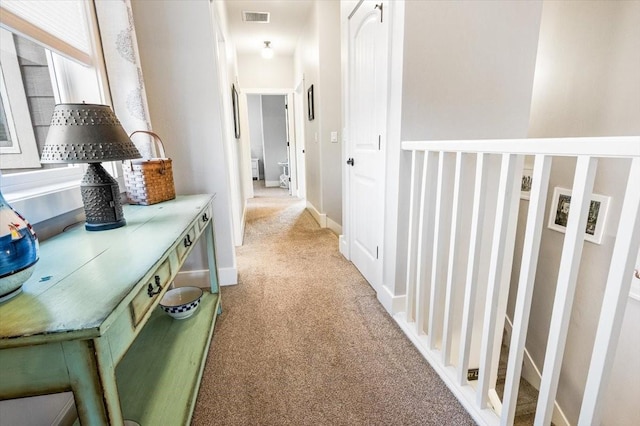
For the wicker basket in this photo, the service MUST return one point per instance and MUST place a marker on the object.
(149, 181)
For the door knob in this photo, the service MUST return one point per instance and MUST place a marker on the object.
(350, 161)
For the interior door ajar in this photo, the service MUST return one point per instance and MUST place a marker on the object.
(367, 99)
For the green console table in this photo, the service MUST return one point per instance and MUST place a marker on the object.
(87, 321)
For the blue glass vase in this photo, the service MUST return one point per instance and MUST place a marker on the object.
(18, 251)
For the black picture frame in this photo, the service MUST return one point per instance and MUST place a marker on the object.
(310, 111)
(236, 111)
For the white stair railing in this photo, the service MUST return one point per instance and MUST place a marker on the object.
(462, 230)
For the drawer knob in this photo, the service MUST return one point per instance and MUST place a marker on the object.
(150, 290)
(187, 241)
(205, 218)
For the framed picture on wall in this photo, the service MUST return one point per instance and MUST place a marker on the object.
(559, 214)
(310, 111)
(236, 111)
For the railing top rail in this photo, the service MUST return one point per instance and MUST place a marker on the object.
(613, 146)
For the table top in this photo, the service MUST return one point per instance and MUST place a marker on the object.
(84, 278)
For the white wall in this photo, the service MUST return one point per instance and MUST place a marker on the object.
(468, 74)
(468, 69)
(306, 67)
(274, 129)
(320, 44)
(181, 76)
(587, 84)
(255, 72)
(239, 169)
(328, 97)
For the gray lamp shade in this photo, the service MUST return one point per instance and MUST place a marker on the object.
(86, 133)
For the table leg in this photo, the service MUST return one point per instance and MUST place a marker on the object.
(93, 384)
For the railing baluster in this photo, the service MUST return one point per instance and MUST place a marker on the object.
(471, 282)
(614, 301)
(454, 250)
(500, 262)
(425, 237)
(414, 196)
(440, 251)
(530, 251)
(437, 310)
(565, 290)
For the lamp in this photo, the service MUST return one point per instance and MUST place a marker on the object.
(87, 133)
(267, 51)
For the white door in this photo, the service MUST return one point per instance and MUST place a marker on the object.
(367, 114)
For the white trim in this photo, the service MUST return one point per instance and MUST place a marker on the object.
(465, 394)
(41, 195)
(321, 218)
(228, 276)
(531, 373)
(343, 244)
(243, 222)
(335, 227)
(200, 277)
(68, 414)
(610, 146)
(272, 183)
(267, 91)
(393, 304)
(24, 152)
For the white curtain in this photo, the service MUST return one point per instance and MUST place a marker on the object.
(122, 61)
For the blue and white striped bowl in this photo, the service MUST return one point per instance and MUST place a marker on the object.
(181, 302)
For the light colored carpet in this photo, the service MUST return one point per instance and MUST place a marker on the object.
(302, 339)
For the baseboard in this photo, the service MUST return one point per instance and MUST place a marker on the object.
(271, 183)
(391, 303)
(68, 414)
(344, 247)
(531, 373)
(321, 218)
(466, 395)
(200, 278)
(243, 222)
(336, 228)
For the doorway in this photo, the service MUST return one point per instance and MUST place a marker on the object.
(272, 141)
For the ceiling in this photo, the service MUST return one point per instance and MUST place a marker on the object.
(287, 20)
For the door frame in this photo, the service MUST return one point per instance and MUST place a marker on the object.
(391, 291)
(294, 121)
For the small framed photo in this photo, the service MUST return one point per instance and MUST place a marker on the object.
(527, 180)
(310, 111)
(596, 221)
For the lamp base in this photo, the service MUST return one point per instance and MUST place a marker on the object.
(101, 199)
(104, 226)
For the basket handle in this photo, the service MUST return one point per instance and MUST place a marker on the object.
(156, 139)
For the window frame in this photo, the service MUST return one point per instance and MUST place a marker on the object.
(24, 152)
(44, 194)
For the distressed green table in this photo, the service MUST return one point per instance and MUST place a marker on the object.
(88, 321)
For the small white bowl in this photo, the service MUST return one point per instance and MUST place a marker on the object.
(181, 302)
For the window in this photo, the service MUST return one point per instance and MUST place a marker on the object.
(27, 102)
(47, 57)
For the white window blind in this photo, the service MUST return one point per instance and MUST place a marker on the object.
(59, 24)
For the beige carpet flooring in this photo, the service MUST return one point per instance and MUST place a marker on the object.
(302, 339)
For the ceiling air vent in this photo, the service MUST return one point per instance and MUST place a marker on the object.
(261, 17)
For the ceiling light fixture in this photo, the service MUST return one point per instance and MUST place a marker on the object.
(267, 51)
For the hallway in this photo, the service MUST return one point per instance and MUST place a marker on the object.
(303, 340)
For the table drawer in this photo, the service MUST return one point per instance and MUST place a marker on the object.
(150, 292)
(205, 218)
(184, 246)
